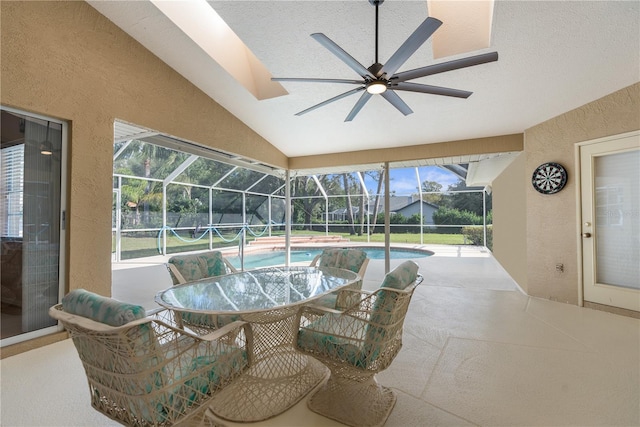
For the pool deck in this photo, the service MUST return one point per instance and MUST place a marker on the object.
(138, 280)
(476, 352)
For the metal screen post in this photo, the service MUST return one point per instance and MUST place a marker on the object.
(287, 219)
(241, 248)
(387, 221)
(484, 216)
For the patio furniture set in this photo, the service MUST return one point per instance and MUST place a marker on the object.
(244, 346)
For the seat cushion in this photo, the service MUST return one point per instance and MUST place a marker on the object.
(336, 337)
(101, 309)
(198, 371)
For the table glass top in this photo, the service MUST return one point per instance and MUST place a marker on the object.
(255, 290)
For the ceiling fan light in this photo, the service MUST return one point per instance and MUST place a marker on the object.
(376, 87)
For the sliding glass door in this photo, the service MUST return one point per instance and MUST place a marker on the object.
(32, 165)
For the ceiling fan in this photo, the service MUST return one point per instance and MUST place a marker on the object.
(384, 80)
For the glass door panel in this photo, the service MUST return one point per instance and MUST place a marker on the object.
(617, 182)
(30, 223)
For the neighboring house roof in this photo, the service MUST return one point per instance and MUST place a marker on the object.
(431, 205)
(397, 204)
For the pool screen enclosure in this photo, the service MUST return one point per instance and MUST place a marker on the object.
(173, 196)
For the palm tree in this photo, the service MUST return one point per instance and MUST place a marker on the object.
(379, 176)
(347, 191)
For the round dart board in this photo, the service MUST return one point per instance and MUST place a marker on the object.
(549, 178)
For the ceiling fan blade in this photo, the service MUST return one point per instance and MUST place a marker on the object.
(415, 40)
(330, 100)
(340, 53)
(433, 90)
(445, 66)
(356, 108)
(397, 102)
(312, 80)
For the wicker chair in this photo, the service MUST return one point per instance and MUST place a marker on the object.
(143, 371)
(192, 267)
(355, 344)
(352, 259)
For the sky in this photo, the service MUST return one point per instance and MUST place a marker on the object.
(404, 181)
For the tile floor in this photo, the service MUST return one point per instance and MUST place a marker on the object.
(477, 352)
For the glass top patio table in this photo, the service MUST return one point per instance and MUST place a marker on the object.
(267, 298)
(257, 290)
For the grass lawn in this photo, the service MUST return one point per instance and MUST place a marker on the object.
(428, 239)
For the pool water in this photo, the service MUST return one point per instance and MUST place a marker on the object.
(266, 259)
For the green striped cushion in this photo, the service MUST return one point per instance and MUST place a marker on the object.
(101, 309)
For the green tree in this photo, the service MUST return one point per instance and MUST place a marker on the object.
(307, 198)
(146, 161)
(432, 192)
(135, 193)
(347, 190)
(465, 198)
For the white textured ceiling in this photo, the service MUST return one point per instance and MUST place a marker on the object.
(553, 57)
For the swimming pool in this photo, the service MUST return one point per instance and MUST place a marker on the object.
(306, 255)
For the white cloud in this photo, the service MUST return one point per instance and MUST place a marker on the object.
(439, 175)
(404, 181)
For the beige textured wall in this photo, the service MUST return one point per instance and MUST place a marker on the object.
(551, 220)
(64, 59)
(510, 220)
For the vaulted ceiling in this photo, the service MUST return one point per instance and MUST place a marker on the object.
(553, 57)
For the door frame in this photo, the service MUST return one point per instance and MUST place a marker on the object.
(578, 189)
(62, 260)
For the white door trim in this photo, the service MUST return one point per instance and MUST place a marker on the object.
(578, 176)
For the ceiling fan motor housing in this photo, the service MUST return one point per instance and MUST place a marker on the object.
(375, 69)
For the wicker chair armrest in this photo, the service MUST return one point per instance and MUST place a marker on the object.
(174, 270)
(318, 309)
(230, 330)
(213, 343)
(308, 312)
(349, 297)
(229, 266)
(231, 333)
(315, 260)
(157, 312)
(362, 303)
(166, 316)
(363, 267)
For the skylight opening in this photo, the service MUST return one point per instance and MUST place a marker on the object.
(203, 25)
(466, 26)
